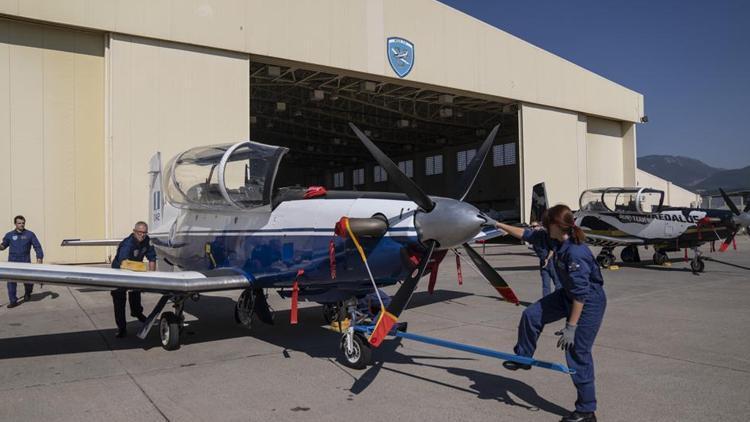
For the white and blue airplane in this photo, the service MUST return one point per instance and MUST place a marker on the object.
(218, 222)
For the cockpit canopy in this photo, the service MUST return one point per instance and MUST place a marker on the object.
(229, 176)
(628, 200)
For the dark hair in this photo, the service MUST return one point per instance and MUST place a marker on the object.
(18, 217)
(562, 216)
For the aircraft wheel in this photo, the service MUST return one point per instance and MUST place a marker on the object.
(660, 258)
(628, 254)
(243, 311)
(361, 354)
(605, 260)
(697, 265)
(170, 327)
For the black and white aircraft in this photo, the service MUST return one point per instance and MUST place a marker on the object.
(632, 217)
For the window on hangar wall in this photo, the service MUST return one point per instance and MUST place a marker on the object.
(504, 155)
(407, 167)
(338, 179)
(358, 177)
(433, 165)
(463, 158)
(379, 174)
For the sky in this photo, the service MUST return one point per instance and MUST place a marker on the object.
(690, 60)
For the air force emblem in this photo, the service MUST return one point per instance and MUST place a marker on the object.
(400, 55)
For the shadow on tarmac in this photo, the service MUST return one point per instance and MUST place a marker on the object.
(486, 386)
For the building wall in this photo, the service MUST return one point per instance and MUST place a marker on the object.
(166, 97)
(550, 152)
(452, 50)
(604, 153)
(52, 135)
(673, 195)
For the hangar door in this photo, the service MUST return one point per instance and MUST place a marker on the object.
(51, 135)
(430, 132)
(604, 153)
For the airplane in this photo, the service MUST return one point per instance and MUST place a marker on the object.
(629, 217)
(220, 223)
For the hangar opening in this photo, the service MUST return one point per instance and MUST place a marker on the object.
(431, 134)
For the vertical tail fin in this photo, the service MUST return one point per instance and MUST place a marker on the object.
(156, 198)
(538, 202)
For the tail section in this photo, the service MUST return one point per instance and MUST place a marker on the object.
(156, 198)
(538, 202)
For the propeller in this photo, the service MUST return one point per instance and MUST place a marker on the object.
(472, 170)
(441, 223)
(740, 219)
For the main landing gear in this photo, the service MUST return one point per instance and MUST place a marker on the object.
(660, 257)
(172, 324)
(630, 254)
(252, 302)
(697, 264)
(605, 258)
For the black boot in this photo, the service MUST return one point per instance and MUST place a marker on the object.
(577, 416)
(122, 333)
(514, 366)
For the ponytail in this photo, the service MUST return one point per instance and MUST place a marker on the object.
(562, 216)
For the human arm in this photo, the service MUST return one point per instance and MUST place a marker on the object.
(37, 249)
(5, 243)
(151, 256)
(514, 231)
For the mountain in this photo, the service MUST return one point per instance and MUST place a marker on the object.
(694, 174)
(682, 171)
(738, 179)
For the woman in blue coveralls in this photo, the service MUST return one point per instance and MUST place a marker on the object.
(582, 301)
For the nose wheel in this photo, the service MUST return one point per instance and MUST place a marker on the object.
(605, 258)
(660, 258)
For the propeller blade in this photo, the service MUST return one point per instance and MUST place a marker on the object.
(398, 303)
(747, 207)
(729, 202)
(407, 186)
(491, 275)
(727, 242)
(472, 170)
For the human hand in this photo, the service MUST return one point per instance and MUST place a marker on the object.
(567, 337)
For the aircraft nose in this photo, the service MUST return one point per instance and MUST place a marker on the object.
(451, 223)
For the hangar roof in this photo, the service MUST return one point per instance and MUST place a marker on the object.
(451, 50)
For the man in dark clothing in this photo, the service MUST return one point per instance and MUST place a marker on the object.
(20, 242)
(133, 248)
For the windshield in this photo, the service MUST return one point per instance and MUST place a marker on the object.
(236, 176)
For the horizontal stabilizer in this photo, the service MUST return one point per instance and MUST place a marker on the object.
(94, 242)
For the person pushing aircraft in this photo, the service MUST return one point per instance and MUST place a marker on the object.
(582, 301)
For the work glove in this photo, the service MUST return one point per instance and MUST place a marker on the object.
(567, 337)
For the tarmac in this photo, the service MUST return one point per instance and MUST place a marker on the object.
(673, 347)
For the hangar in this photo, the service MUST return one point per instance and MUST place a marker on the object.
(89, 91)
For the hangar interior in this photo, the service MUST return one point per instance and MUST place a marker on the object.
(430, 134)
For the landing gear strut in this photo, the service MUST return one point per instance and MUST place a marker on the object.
(332, 312)
(356, 350)
(630, 254)
(605, 258)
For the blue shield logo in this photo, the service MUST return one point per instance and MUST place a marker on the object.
(400, 55)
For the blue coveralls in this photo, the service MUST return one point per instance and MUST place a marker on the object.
(131, 250)
(581, 280)
(546, 268)
(20, 251)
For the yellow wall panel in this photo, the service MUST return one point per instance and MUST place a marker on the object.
(604, 153)
(167, 97)
(51, 114)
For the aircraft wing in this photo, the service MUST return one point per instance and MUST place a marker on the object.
(96, 242)
(110, 278)
(600, 240)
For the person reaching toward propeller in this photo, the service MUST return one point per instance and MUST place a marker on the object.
(581, 301)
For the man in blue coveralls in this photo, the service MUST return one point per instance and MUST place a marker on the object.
(20, 242)
(133, 248)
